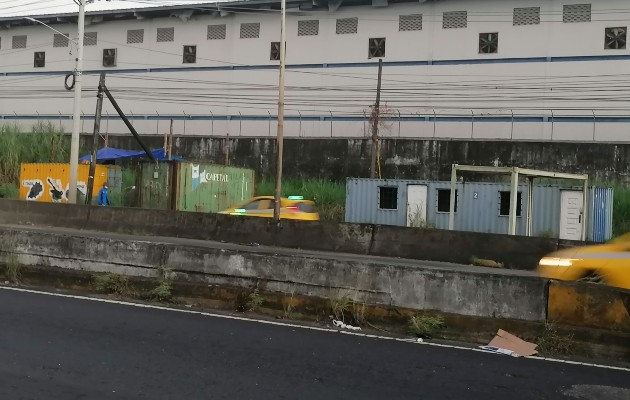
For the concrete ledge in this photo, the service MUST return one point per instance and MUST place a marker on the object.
(364, 282)
(589, 305)
(423, 244)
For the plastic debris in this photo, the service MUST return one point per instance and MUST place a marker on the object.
(342, 325)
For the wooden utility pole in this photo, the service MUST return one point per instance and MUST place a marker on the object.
(95, 134)
(376, 120)
(280, 137)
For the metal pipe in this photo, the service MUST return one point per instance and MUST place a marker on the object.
(95, 135)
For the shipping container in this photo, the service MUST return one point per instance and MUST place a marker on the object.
(50, 182)
(480, 207)
(155, 185)
(212, 188)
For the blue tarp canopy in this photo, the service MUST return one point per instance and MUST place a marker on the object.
(110, 154)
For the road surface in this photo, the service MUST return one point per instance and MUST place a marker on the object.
(55, 347)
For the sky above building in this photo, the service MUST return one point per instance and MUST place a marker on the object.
(15, 8)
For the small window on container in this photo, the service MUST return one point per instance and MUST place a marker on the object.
(388, 198)
(504, 200)
(444, 200)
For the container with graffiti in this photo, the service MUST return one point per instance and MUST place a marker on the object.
(50, 182)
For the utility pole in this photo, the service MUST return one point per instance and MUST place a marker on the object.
(280, 136)
(76, 115)
(376, 120)
(170, 141)
(97, 128)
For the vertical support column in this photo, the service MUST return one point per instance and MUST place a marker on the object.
(530, 205)
(585, 210)
(451, 211)
(513, 201)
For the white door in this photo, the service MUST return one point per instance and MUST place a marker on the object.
(571, 214)
(416, 205)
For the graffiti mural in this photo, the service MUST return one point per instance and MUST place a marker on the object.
(50, 182)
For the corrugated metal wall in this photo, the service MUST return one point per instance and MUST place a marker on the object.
(478, 207)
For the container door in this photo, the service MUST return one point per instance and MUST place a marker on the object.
(571, 214)
(416, 205)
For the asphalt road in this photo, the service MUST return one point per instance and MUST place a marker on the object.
(55, 347)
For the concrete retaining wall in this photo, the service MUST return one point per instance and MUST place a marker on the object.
(450, 291)
(422, 244)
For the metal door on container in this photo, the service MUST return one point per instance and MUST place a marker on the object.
(416, 205)
(571, 214)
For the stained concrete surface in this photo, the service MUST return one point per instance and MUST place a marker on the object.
(448, 288)
(66, 348)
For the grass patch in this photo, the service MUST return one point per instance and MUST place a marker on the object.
(45, 143)
(621, 210)
(9, 191)
(425, 326)
(329, 197)
(163, 292)
(551, 343)
(340, 307)
(112, 283)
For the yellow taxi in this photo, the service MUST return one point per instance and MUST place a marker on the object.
(608, 263)
(292, 207)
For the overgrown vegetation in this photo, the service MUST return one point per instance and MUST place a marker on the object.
(425, 326)
(45, 143)
(552, 343)
(112, 283)
(621, 210)
(13, 269)
(163, 292)
(329, 197)
(254, 301)
(340, 307)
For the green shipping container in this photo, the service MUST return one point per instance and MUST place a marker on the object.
(212, 188)
(155, 185)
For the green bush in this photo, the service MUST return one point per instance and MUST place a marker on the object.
(621, 210)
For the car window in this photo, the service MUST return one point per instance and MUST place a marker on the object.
(265, 205)
(252, 206)
(306, 207)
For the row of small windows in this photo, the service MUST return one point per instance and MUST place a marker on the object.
(450, 20)
(615, 39)
(388, 200)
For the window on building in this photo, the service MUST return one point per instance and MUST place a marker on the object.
(504, 200)
(576, 13)
(19, 42)
(165, 35)
(60, 40)
(308, 27)
(275, 51)
(250, 30)
(346, 26)
(388, 198)
(217, 32)
(526, 16)
(90, 38)
(135, 36)
(410, 22)
(376, 48)
(444, 200)
(190, 54)
(39, 60)
(488, 43)
(109, 57)
(455, 19)
(616, 38)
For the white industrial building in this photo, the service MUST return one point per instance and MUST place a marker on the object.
(541, 70)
